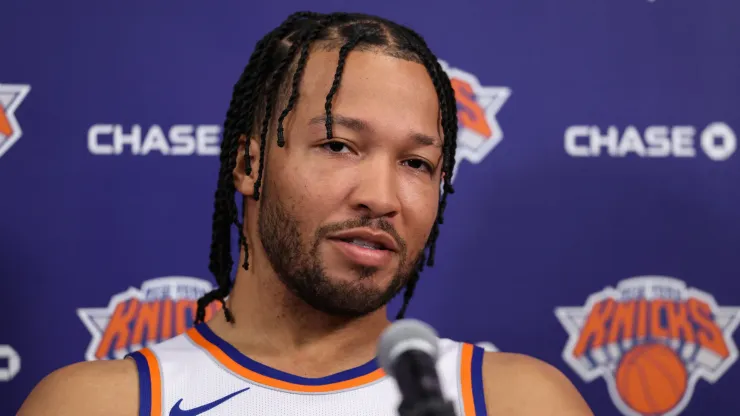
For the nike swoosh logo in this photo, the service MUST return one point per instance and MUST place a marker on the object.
(177, 411)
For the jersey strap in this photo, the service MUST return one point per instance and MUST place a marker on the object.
(471, 380)
(150, 382)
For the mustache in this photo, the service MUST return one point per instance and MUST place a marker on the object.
(378, 224)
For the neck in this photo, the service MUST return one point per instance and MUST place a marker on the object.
(275, 327)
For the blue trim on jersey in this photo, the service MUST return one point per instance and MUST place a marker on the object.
(252, 365)
(145, 384)
(476, 373)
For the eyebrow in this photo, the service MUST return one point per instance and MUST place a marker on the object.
(359, 125)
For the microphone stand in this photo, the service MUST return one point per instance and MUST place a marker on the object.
(432, 407)
(416, 376)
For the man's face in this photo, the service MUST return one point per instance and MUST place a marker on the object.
(344, 221)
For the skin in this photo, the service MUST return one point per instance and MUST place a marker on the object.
(381, 176)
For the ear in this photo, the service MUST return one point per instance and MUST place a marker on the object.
(242, 182)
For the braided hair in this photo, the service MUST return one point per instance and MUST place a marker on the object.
(264, 84)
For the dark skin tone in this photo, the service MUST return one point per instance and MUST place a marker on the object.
(381, 171)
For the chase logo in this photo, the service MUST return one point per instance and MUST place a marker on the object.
(11, 96)
(177, 140)
(477, 107)
(651, 339)
(163, 308)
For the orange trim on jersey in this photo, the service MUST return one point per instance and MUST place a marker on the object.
(155, 380)
(234, 367)
(466, 379)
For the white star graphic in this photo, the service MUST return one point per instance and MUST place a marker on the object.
(471, 146)
(11, 96)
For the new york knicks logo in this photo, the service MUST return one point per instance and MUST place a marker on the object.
(477, 106)
(163, 308)
(11, 96)
(651, 338)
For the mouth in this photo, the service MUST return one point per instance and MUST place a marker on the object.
(368, 239)
(362, 243)
(366, 247)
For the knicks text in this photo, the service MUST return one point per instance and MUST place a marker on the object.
(161, 309)
(136, 323)
(685, 325)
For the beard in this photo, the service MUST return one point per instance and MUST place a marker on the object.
(304, 274)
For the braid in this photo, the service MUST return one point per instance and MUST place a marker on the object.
(296, 83)
(271, 98)
(410, 287)
(261, 86)
(337, 77)
(304, 41)
(408, 293)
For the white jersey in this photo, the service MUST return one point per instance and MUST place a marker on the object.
(198, 373)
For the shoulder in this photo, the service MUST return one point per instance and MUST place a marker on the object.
(86, 388)
(516, 384)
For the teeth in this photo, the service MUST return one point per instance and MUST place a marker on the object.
(366, 244)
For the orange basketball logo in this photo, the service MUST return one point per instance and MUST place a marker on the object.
(651, 338)
(161, 309)
(651, 378)
(477, 107)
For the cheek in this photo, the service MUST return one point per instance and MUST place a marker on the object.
(420, 206)
(306, 195)
(321, 180)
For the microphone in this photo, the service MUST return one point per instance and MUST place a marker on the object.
(408, 351)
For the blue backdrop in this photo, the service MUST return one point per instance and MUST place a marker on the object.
(595, 224)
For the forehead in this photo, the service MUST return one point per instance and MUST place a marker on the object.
(388, 92)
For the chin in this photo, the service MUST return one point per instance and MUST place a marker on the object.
(349, 290)
(363, 275)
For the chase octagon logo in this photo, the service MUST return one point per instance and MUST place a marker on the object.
(477, 106)
(651, 338)
(164, 307)
(11, 96)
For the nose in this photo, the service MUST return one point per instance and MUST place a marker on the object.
(376, 191)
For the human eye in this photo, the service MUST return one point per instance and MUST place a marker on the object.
(335, 146)
(419, 164)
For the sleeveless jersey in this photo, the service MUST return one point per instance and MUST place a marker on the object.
(198, 373)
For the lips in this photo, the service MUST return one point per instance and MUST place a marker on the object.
(368, 238)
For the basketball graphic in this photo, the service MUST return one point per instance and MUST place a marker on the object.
(651, 379)
(651, 338)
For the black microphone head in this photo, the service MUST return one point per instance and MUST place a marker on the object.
(406, 335)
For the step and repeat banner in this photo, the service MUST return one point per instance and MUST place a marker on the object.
(595, 225)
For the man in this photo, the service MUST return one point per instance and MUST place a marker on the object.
(339, 135)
